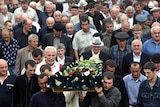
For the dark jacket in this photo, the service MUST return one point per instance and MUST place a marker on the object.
(111, 98)
(23, 90)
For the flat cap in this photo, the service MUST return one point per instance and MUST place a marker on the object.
(155, 9)
(121, 35)
(141, 18)
(155, 58)
(58, 26)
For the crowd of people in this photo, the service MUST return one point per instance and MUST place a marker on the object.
(38, 38)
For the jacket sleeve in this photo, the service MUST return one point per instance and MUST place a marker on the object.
(139, 98)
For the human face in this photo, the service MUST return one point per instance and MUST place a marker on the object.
(149, 74)
(136, 47)
(18, 18)
(15, 4)
(105, 9)
(9, 26)
(96, 49)
(49, 9)
(156, 34)
(57, 33)
(25, 6)
(125, 27)
(130, 13)
(81, 11)
(60, 52)
(91, 11)
(157, 66)
(137, 34)
(6, 36)
(70, 28)
(4, 10)
(85, 26)
(114, 13)
(121, 43)
(138, 8)
(28, 26)
(155, 14)
(109, 28)
(3, 67)
(107, 83)
(65, 20)
(58, 16)
(50, 23)
(30, 71)
(33, 43)
(48, 72)
(38, 59)
(110, 69)
(135, 70)
(50, 56)
(74, 11)
(43, 83)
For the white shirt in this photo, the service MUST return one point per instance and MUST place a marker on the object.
(61, 61)
(130, 20)
(137, 58)
(55, 67)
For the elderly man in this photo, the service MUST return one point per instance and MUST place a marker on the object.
(96, 53)
(120, 50)
(6, 84)
(136, 55)
(152, 45)
(107, 95)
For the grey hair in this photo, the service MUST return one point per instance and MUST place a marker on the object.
(48, 3)
(155, 27)
(129, 8)
(50, 47)
(61, 46)
(32, 36)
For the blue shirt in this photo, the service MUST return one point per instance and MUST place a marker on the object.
(148, 97)
(10, 51)
(132, 87)
(150, 47)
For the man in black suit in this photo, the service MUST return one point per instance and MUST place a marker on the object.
(96, 53)
(137, 55)
(53, 39)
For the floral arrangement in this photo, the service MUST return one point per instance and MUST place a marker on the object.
(83, 67)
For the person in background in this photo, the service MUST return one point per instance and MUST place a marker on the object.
(45, 68)
(155, 58)
(6, 84)
(25, 85)
(132, 82)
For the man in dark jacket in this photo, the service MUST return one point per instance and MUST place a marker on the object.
(25, 86)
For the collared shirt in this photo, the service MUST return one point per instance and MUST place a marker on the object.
(130, 20)
(5, 17)
(95, 55)
(81, 40)
(117, 54)
(10, 51)
(55, 67)
(132, 87)
(150, 47)
(61, 61)
(137, 58)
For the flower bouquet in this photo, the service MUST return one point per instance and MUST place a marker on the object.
(80, 75)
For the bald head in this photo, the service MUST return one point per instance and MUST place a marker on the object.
(3, 67)
(156, 24)
(70, 28)
(50, 22)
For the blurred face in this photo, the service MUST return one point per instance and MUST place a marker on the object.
(48, 72)
(33, 43)
(81, 11)
(4, 10)
(138, 8)
(65, 20)
(42, 2)
(3, 68)
(50, 56)
(135, 70)
(6, 36)
(58, 16)
(156, 34)
(43, 83)
(109, 28)
(110, 69)
(74, 11)
(70, 28)
(30, 71)
(50, 23)
(157, 66)
(136, 47)
(107, 83)
(105, 9)
(137, 34)
(15, 4)
(9, 26)
(130, 13)
(49, 9)
(60, 52)
(121, 43)
(114, 14)
(38, 59)
(25, 6)
(85, 26)
(125, 27)
(96, 49)
(18, 19)
(149, 74)
(155, 14)
(91, 11)
(57, 33)
(28, 26)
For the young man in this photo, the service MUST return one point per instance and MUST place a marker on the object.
(46, 97)
(149, 90)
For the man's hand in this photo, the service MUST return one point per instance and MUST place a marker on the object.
(99, 91)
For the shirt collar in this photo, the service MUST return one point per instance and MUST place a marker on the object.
(138, 55)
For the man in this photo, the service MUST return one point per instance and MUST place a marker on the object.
(83, 37)
(25, 53)
(24, 8)
(155, 14)
(57, 16)
(152, 45)
(41, 5)
(110, 66)
(136, 55)
(132, 82)
(10, 47)
(120, 50)
(155, 58)
(130, 15)
(150, 88)
(96, 53)
(107, 95)
(21, 35)
(46, 97)
(70, 30)
(53, 39)
(6, 84)
(25, 86)
(4, 15)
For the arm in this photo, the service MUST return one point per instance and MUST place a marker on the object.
(17, 66)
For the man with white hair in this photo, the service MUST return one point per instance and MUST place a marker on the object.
(152, 45)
